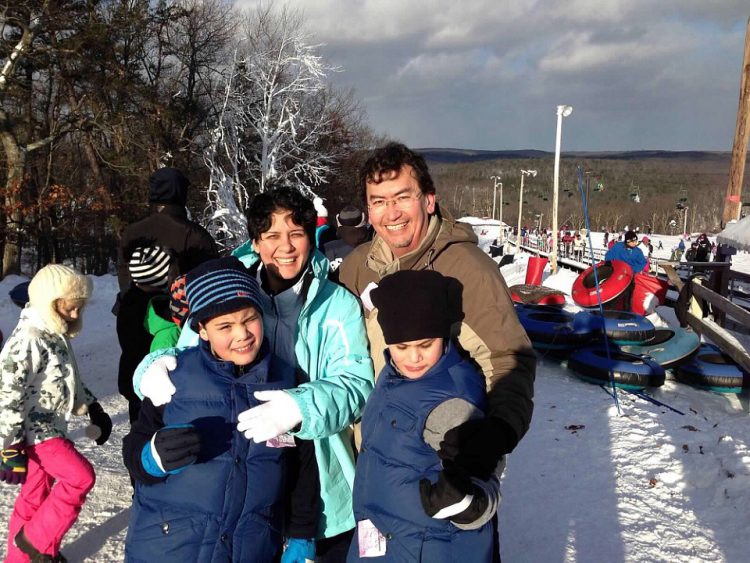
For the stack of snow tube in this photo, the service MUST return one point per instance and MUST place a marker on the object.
(615, 277)
(553, 328)
(712, 370)
(536, 294)
(669, 347)
(628, 371)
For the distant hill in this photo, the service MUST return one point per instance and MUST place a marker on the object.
(451, 156)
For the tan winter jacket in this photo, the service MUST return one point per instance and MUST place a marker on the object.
(490, 331)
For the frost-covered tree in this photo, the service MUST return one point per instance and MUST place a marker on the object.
(276, 121)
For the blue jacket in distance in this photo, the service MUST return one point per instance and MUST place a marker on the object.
(633, 257)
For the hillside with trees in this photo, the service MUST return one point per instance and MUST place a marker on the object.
(649, 189)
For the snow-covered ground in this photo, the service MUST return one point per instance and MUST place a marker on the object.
(586, 484)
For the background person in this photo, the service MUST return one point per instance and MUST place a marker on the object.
(41, 388)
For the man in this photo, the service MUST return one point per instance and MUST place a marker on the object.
(414, 233)
(627, 251)
(169, 228)
(351, 230)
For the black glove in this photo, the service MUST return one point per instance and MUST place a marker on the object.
(177, 446)
(100, 419)
(451, 488)
(477, 445)
(13, 465)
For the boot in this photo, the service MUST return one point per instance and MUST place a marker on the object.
(23, 543)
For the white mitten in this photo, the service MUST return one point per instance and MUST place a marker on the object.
(277, 415)
(155, 383)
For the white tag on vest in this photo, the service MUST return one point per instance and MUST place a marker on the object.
(371, 541)
(281, 441)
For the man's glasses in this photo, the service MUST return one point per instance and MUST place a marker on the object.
(401, 202)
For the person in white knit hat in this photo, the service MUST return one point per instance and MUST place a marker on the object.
(40, 388)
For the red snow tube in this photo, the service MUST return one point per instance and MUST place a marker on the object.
(648, 291)
(534, 270)
(615, 277)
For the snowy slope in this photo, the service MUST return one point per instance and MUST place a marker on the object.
(644, 485)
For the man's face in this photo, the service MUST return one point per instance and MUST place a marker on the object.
(413, 359)
(234, 337)
(402, 220)
(283, 248)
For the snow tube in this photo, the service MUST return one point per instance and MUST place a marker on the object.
(628, 370)
(20, 294)
(528, 293)
(623, 327)
(668, 348)
(711, 369)
(535, 269)
(648, 293)
(615, 277)
(554, 329)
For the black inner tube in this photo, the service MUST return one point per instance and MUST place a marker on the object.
(661, 336)
(619, 356)
(604, 271)
(718, 359)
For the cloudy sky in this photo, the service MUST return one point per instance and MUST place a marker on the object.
(488, 74)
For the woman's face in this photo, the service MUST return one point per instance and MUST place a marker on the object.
(283, 248)
(70, 309)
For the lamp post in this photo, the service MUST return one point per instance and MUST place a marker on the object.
(494, 197)
(562, 111)
(524, 173)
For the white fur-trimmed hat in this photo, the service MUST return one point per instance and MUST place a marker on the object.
(54, 282)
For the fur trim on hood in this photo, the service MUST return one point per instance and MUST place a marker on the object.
(54, 282)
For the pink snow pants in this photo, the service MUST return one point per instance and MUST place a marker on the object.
(57, 482)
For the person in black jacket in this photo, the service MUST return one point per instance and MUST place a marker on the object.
(352, 230)
(168, 227)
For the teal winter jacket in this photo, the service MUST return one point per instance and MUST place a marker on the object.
(331, 348)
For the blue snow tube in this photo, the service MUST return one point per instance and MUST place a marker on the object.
(628, 370)
(624, 327)
(552, 328)
(20, 294)
(668, 348)
(711, 369)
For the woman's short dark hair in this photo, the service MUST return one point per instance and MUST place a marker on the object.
(265, 204)
(389, 159)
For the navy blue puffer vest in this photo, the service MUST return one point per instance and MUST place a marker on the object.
(394, 457)
(229, 505)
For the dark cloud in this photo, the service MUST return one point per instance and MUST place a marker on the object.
(487, 74)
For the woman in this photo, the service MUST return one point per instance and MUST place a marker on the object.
(318, 327)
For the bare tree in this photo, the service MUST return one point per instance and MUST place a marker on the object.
(278, 123)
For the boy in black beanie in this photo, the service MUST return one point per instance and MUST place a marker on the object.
(408, 502)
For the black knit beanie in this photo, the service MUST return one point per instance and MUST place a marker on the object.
(414, 305)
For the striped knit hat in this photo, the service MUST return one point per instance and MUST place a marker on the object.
(218, 287)
(178, 304)
(149, 266)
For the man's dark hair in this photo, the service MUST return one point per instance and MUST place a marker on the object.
(388, 160)
(265, 204)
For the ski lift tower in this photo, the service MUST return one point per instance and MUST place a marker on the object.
(635, 193)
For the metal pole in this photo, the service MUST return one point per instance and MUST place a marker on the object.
(520, 210)
(558, 135)
(494, 197)
(501, 206)
(684, 225)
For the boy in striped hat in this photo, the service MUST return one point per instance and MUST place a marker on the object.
(151, 269)
(224, 495)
